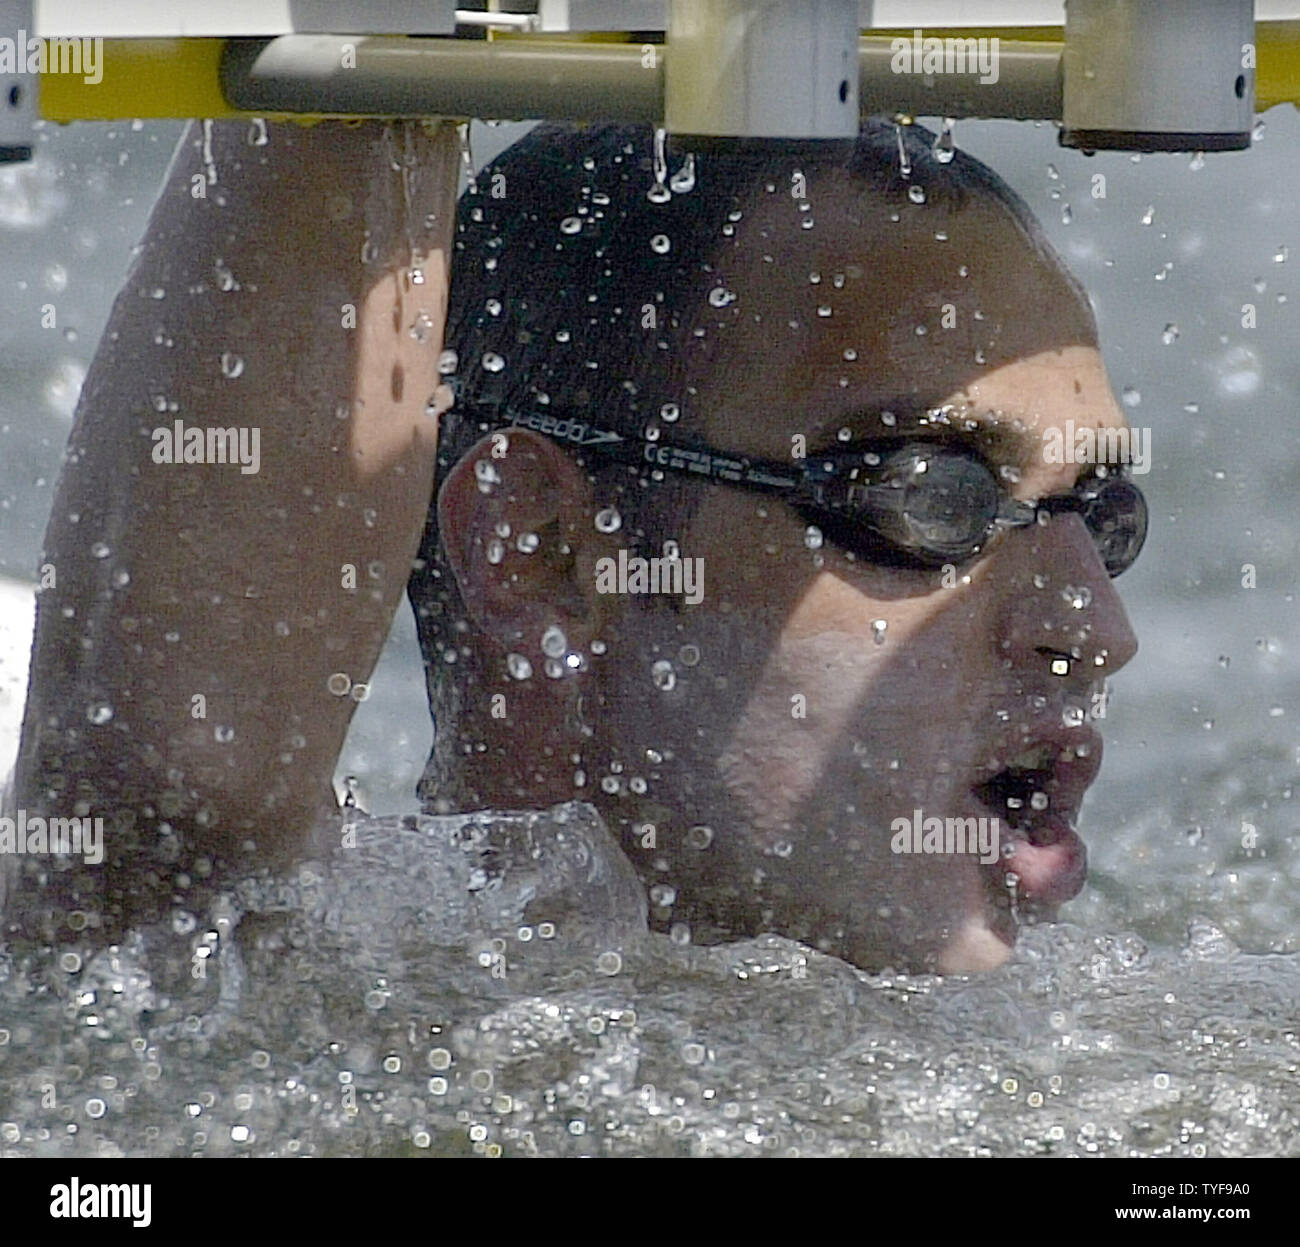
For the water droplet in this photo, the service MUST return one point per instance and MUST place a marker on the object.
(878, 629)
(719, 296)
(448, 362)
(1080, 598)
(496, 551)
(663, 675)
(812, 537)
(232, 365)
(1280, 255)
(554, 642)
(663, 894)
(699, 836)
(904, 161)
(100, 551)
(224, 734)
(916, 194)
(683, 180)
(1038, 800)
(340, 684)
(608, 520)
(1131, 395)
(99, 712)
(421, 327)
(492, 362)
(943, 147)
(661, 244)
(526, 543)
(96, 1108)
(571, 225)
(1149, 215)
(1170, 334)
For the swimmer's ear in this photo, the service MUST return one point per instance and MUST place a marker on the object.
(523, 485)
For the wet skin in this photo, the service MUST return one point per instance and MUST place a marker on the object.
(960, 684)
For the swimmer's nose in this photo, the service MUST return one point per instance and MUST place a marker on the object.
(1061, 598)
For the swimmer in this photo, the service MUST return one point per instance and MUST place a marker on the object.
(845, 374)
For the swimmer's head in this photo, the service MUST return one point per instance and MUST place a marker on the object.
(795, 302)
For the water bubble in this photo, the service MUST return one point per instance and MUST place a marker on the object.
(608, 520)
(663, 675)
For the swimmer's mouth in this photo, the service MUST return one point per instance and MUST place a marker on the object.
(1035, 793)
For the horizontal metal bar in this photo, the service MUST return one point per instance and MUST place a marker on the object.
(516, 79)
(179, 78)
(506, 79)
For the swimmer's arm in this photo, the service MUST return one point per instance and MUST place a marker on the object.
(208, 607)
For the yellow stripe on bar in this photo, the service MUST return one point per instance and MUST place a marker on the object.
(179, 77)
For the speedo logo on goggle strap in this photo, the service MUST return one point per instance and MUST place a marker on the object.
(563, 429)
